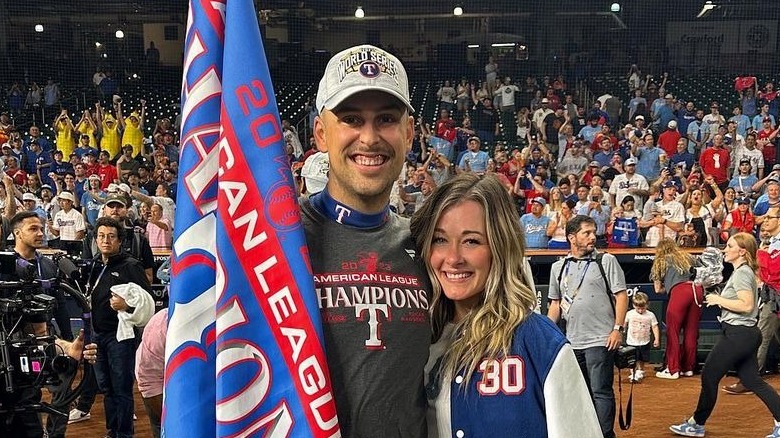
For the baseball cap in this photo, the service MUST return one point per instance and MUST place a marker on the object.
(743, 200)
(639, 117)
(545, 100)
(669, 184)
(315, 172)
(112, 188)
(6, 145)
(594, 163)
(94, 176)
(29, 197)
(773, 181)
(744, 161)
(125, 188)
(90, 152)
(630, 162)
(68, 196)
(46, 186)
(116, 199)
(672, 124)
(767, 119)
(475, 138)
(539, 200)
(669, 96)
(776, 167)
(362, 68)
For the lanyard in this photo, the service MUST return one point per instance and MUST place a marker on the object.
(582, 278)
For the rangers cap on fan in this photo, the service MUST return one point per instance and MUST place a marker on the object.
(362, 68)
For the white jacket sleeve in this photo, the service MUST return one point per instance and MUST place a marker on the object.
(569, 407)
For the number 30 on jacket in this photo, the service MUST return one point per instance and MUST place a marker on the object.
(502, 375)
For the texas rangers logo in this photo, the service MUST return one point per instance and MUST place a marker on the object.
(369, 69)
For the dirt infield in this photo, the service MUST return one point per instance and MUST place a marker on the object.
(658, 403)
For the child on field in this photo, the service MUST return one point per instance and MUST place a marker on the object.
(639, 323)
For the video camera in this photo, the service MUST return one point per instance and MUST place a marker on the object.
(29, 361)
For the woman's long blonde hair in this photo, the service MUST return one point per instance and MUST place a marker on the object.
(668, 255)
(486, 332)
(748, 242)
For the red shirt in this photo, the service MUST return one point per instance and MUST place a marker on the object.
(529, 195)
(107, 174)
(715, 162)
(769, 151)
(668, 141)
(600, 136)
(445, 128)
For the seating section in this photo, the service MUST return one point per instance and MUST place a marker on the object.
(292, 98)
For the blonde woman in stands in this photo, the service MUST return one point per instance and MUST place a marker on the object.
(556, 230)
(492, 353)
(671, 275)
(555, 202)
(700, 213)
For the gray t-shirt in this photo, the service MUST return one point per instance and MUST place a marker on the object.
(673, 275)
(743, 278)
(374, 298)
(590, 318)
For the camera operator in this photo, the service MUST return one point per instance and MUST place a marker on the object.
(28, 232)
(114, 369)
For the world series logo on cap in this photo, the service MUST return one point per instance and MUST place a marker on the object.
(370, 63)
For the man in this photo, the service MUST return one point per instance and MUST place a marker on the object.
(667, 141)
(597, 209)
(35, 134)
(540, 114)
(126, 164)
(485, 120)
(508, 92)
(594, 306)
(116, 361)
(685, 116)
(666, 218)
(628, 183)
(366, 128)
(551, 126)
(753, 155)
(649, 158)
(39, 162)
(758, 120)
(698, 133)
(683, 158)
(535, 224)
(28, 238)
(474, 160)
(106, 171)
(742, 121)
(573, 163)
(715, 162)
(743, 179)
(589, 131)
(83, 146)
(714, 118)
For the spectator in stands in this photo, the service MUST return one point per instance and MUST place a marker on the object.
(743, 179)
(747, 100)
(769, 97)
(741, 120)
(39, 162)
(623, 226)
(771, 205)
(596, 207)
(106, 171)
(570, 107)
(575, 162)
(668, 139)
(12, 169)
(698, 133)
(715, 161)
(86, 126)
(636, 103)
(446, 94)
(606, 132)
(126, 164)
(682, 158)
(589, 131)
(555, 202)
(291, 140)
(64, 129)
(666, 218)
(649, 158)
(68, 224)
(507, 93)
(83, 146)
(553, 100)
(111, 138)
(714, 118)
(92, 201)
(35, 134)
(51, 93)
(463, 96)
(529, 186)
(700, 213)
(535, 224)
(133, 127)
(34, 97)
(491, 74)
(556, 229)
(33, 183)
(604, 154)
(474, 160)
(161, 198)
(485, 120)
(552, 126)
(670, 275)
(766, 143)
(740, 220)
(159, 230)
(758, 120)
(524, 127)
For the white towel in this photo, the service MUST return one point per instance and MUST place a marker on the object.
(141, 300)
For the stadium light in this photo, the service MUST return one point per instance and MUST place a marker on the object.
(615, 7)
(39, 28)
(119, 34)
(98, 44)
(458, 11)
(359, 12)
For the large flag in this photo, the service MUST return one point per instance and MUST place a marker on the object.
(244, 354)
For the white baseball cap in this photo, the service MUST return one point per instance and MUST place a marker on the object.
(29, 197)
(362, 68)
(315, 172)
(68, 196)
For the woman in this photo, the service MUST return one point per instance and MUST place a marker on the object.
(86, 126)
(491, 352)
(670, 274)
(740, 220)
(133, 127)
(553, 207)
(523, 127)
(736, 349)
(64, 129)
(159, 230)
(111, 137)
(700, 214)
(556, 230)
(463, 96)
